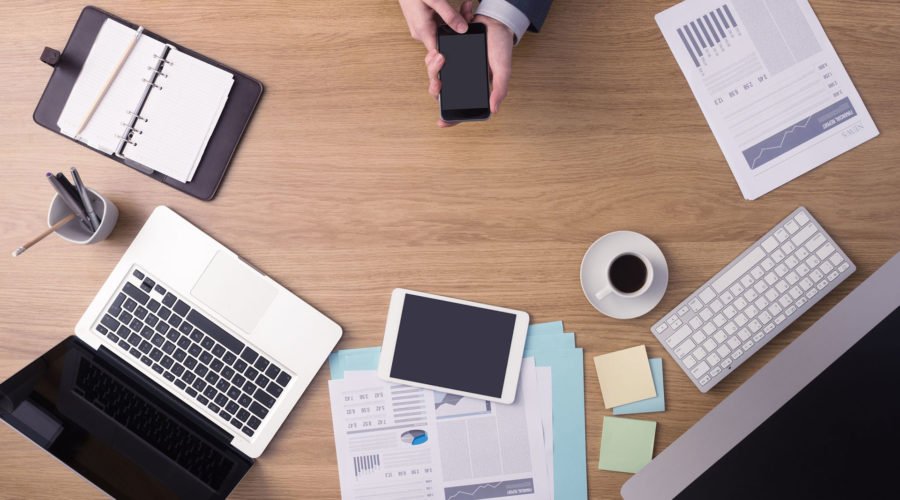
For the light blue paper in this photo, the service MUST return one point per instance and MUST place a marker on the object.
(651, 405)
(554, 327)
(353, 359)
(569, 453)
(549, 341)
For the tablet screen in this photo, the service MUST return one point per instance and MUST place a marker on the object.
(452, 345)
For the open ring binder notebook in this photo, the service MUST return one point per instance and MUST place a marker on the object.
(148, 103)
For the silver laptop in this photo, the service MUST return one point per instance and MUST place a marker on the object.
(818, 421)
(214, 332)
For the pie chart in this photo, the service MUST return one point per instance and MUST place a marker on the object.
(414, 437)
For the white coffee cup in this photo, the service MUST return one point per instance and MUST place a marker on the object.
(623, 275)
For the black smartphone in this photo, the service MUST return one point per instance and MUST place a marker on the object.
(465, 88)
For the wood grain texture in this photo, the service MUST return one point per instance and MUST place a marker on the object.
(343, 188)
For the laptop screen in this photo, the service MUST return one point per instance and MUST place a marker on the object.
(116, 429)
(836, 438)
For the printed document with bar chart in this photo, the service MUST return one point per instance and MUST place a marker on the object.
(770, 84)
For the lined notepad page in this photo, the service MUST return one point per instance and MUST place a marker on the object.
(124, 93)
(181, 116)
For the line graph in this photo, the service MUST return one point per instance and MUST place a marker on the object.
(799, 133)
(490, 490)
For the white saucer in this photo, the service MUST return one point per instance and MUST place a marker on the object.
(596, 262)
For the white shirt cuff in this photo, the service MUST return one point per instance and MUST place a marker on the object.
(506, 13)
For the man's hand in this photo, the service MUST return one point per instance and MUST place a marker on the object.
(499, 46)
(420, 14)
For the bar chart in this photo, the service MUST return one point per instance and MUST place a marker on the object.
(708, 34)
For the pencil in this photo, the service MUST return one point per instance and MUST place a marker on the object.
(62, 222)
(109, 81)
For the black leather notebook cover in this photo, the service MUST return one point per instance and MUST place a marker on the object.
(242, 101)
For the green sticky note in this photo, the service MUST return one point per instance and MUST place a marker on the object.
(627, 444)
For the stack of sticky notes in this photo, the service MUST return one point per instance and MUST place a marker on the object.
(631, 383)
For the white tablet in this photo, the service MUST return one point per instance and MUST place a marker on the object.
(453, 346)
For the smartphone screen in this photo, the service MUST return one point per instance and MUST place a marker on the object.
(465, 89)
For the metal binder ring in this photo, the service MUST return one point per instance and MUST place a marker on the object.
(130, 128)
(151, 83)
(139, 117)
(158, 72)
(126, 139)
(163, 60)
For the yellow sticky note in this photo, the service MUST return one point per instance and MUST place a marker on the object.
(625, 376)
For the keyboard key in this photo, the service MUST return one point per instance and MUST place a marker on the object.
(207, 343)
(168, 348)
(201, 370)
(223, 385)
(205, 357)
(152, 320)
(157, 369)
(180, 384)
(229, 358)
(253, 423)
(185, 328)
(194, 350)
(164, 314)
(221, 400)
(158, 340)
(178, 369)
(770, 244)
(169, 300)
(134, 339)
(250, 387)
(704, 380)
(147, 361)
(109, 322)
(258, 410)
(212, 377)
(134, 352)
(199, 384)
(264, 398)
(244, 400)
(148, 285)
(226, 339)
(196, 335)
(137, 274)
(707, 295)
(214, 407)
(248, 431)
(243, 415)
(153, 305)
(141, 313)
(235, 422)
(227, 372)
(145, 347)
(739, 269)
(217, 365)
(251, 373)
(181, 308)
(202, 399)
(174, 321)
(234, 393)
(156, 354)
(238, 380)
(274, 389)
(240, 365)
(685, 348)
(218, 350)
(116, 306)
(699, 370)
(190, 362)
(188, 377)
(674, 340)
(689, 361)
(135, 293)
(210, 392)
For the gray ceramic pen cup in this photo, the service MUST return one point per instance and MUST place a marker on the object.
(75, 231)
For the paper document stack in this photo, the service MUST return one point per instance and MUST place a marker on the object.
(394, 441)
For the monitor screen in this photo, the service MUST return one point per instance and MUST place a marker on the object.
(452, 345)
(833, 439)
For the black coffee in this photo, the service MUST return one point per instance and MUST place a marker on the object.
(628, 273)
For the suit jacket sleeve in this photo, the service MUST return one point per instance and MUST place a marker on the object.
(535, 10)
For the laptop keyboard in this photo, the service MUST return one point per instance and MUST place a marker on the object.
(115, 399)
(191, 354)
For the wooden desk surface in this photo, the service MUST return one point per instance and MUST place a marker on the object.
(343, 189)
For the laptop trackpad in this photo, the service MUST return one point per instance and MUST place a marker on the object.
(235, 290)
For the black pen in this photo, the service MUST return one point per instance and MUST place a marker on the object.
(85, 199)
(73, 204)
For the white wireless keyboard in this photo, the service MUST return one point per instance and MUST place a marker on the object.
(753, 299)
